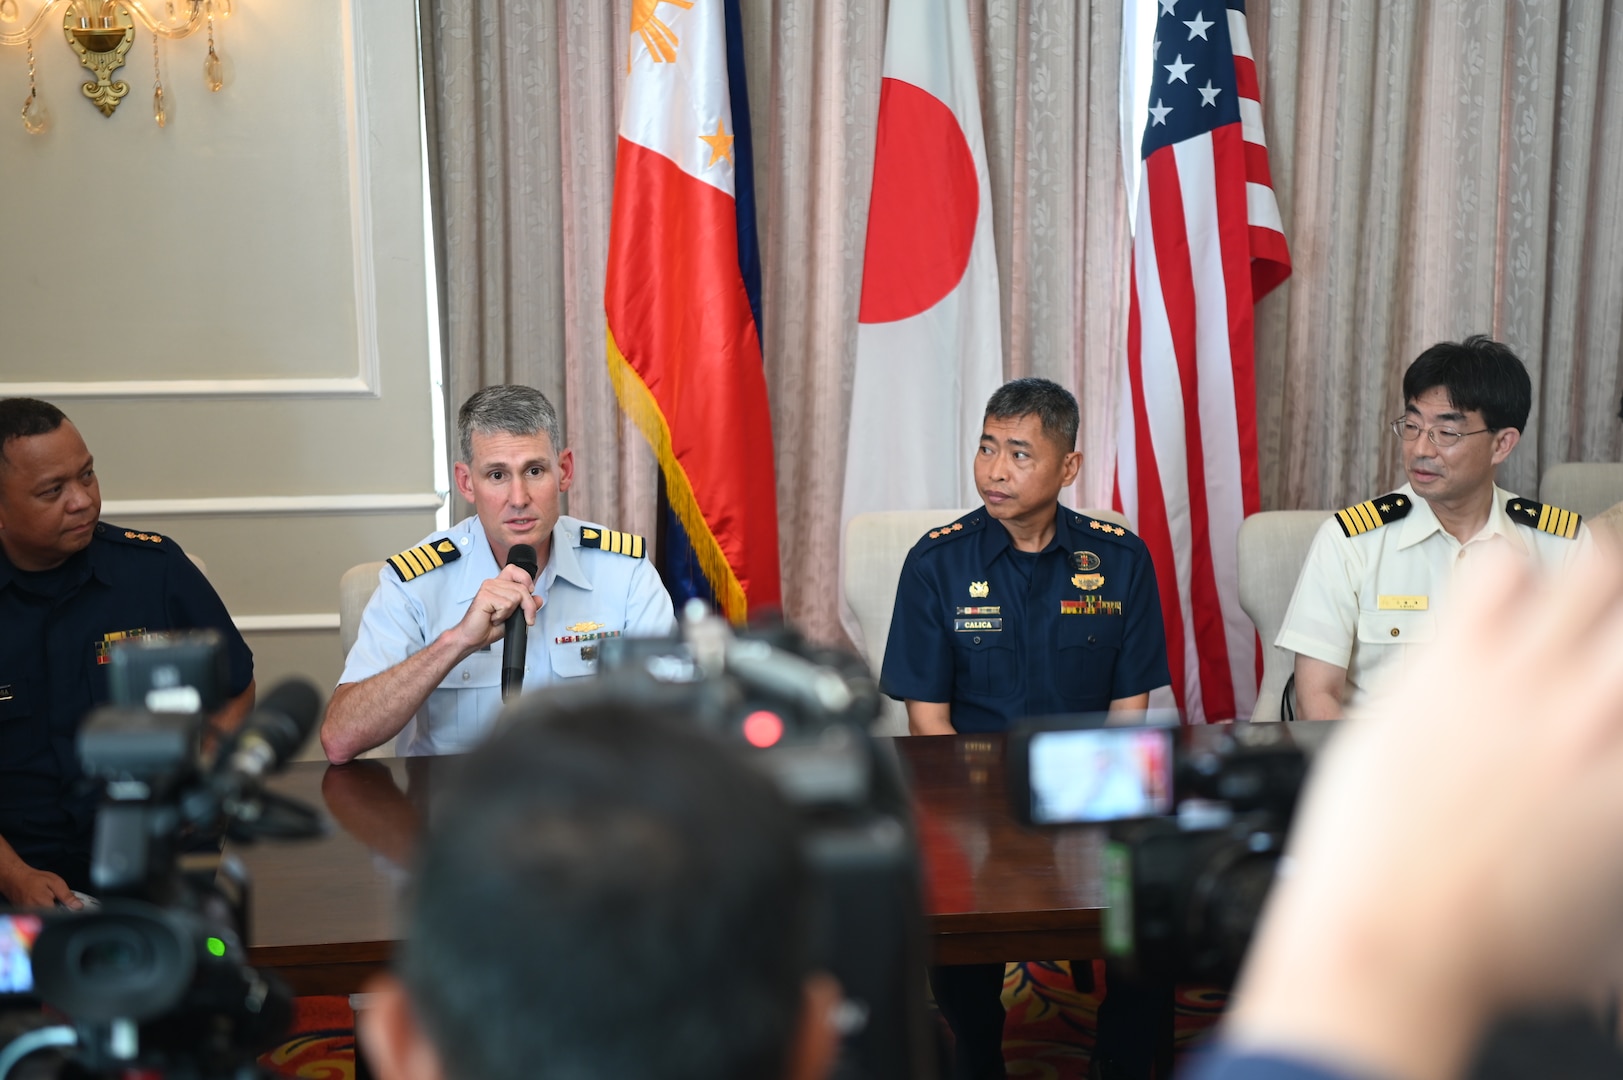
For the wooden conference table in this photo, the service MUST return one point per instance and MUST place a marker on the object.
(325, 913)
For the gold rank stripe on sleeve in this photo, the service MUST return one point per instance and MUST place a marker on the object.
(1371, 514)
(1544, 517)
(620, 543)
(417, 561)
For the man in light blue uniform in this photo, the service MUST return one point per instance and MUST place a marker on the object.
(426, 666)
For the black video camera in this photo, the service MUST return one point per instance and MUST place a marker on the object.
(805, 713)
(1196, 821)
(154, 976)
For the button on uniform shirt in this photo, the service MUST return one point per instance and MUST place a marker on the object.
(1363, 600)
(588, 594)
(1002, 634)
(57, 630)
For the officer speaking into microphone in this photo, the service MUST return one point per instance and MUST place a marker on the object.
(426, 669)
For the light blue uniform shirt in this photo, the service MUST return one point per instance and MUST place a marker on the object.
(584, 591)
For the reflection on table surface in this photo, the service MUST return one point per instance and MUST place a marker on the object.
(326, 912)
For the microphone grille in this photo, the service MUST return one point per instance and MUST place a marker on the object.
(523, 557)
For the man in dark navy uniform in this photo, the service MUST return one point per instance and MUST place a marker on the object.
(1021, 608)
(71, 585)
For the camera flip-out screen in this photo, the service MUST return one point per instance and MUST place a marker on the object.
(17, 934)
(1092, 773)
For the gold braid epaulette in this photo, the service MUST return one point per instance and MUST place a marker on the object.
(621, 543)
(417, 561)
(1371, 514)
(1544, 517)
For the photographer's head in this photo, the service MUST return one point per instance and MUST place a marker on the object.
(608, 894)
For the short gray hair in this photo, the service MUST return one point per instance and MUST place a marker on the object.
(513, 409)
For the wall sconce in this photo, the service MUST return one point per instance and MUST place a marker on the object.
(100, 33)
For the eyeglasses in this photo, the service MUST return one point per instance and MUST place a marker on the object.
(1443, 438)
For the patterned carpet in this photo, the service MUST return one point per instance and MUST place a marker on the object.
(1049, 1033)
(1050, 1030)
(322, 1046)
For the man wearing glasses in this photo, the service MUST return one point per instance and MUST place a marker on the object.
(1379, 573)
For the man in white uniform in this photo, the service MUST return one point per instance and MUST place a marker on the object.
(1380, 572)
(426, 665)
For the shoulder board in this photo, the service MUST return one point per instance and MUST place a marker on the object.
(1109, 528)
(621, 543)
(417, 561)
(965, 524)
(134, 537)
(1373, 513)
(1544, 517)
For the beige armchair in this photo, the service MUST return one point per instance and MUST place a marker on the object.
(355, 588)
(1272, 548)
(875, 546)
(1587, 487)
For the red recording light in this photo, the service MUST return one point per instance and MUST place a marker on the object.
(763, 729)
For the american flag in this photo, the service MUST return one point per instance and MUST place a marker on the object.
(1208, 245)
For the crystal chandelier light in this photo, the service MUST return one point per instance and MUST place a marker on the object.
(100, 33)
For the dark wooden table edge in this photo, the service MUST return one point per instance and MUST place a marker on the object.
(311, 970)
(982, 938)
(343, 968)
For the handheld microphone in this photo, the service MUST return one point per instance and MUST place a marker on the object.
(516, 642)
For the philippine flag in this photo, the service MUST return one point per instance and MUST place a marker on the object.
(929, 341)
(684, 350)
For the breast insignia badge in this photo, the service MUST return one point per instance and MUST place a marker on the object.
(1084, 561)
(584, 627)
(1088, 582)
(978, 589)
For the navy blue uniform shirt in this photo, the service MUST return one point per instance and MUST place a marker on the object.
(56, 629)
(1002, 634)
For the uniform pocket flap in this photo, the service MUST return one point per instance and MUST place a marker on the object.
(1396, 627)
(483, 668)
(572, 659)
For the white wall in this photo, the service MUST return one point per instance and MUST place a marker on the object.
(232, 308)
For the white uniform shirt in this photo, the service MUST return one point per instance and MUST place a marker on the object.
(1363, 600)
(586, 594)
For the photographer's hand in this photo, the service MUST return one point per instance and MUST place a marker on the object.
(25, 887)
(1459, 850)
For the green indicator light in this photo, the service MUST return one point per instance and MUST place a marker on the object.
(216, 946)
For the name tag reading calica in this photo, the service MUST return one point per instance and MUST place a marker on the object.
(1400, 603)
(966, 625)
